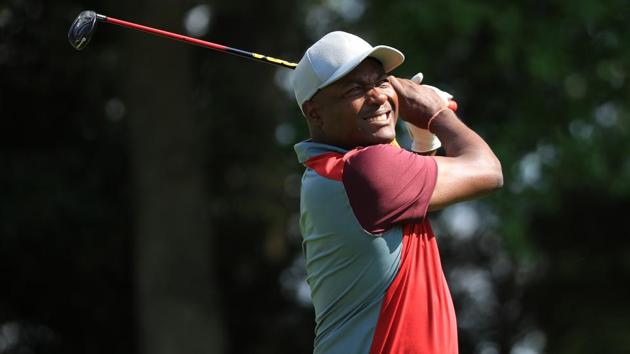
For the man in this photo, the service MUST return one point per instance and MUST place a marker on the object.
(371, 257)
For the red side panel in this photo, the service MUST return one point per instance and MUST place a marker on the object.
(417, 314)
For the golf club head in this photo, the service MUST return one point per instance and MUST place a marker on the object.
(82, 29)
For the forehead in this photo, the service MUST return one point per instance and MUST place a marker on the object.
(369, 70)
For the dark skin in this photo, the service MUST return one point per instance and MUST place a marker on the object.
(361, 109)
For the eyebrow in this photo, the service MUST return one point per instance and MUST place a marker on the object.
(362, 82)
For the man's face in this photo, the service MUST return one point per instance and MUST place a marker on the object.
(359, 109)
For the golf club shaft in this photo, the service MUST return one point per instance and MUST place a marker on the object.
(218, 47)
(198, 42)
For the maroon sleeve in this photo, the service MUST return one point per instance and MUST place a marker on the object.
(388, 185)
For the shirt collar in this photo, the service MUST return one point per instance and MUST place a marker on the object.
(308, 149)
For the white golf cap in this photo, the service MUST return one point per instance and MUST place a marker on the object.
(332, 57)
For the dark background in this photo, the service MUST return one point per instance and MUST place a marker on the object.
(149, 191)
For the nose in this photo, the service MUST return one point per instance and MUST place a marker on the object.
(375, 95)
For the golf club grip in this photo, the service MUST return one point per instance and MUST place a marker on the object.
(452, 105)
(199, 42)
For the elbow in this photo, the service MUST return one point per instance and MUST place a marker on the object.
(496, 175)
(498, 180)
(492, 175)
(488, 170)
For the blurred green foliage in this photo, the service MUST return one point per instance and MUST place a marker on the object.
(541, 266)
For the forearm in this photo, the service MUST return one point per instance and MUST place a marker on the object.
(459, 140)
(470, 168)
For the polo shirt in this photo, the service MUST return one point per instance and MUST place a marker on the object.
(372, 261)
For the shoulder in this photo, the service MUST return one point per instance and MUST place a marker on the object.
(384, 159)
(372, 154)
(387, 185)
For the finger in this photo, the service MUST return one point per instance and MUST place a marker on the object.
(393, 80)
(395, 83)
(445, 95)
(400, 85)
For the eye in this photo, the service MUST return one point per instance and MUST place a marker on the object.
(353, 90)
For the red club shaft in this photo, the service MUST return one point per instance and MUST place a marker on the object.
(162, 33)
(198, 42)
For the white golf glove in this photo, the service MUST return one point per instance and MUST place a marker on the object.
(424, 140)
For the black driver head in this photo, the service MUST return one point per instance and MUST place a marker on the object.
(82, 29)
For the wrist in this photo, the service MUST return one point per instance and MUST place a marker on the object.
(435, 115)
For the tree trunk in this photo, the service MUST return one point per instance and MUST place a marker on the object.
(176, 300)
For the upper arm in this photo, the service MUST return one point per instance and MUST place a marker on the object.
(469, 170)
(465, 177)
(387, 185)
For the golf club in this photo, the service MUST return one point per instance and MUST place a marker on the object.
(84, 25)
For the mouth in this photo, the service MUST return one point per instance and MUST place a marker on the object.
(378, 117)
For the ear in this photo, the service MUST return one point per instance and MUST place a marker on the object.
(311, 112)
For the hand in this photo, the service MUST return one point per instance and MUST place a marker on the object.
(423, 141)
(417, 103)
(447, 97)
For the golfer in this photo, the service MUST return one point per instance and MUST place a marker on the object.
(372, 260)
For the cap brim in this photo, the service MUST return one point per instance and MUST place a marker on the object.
(390, 57)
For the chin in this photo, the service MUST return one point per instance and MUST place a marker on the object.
(385, 138)
(381, 140)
